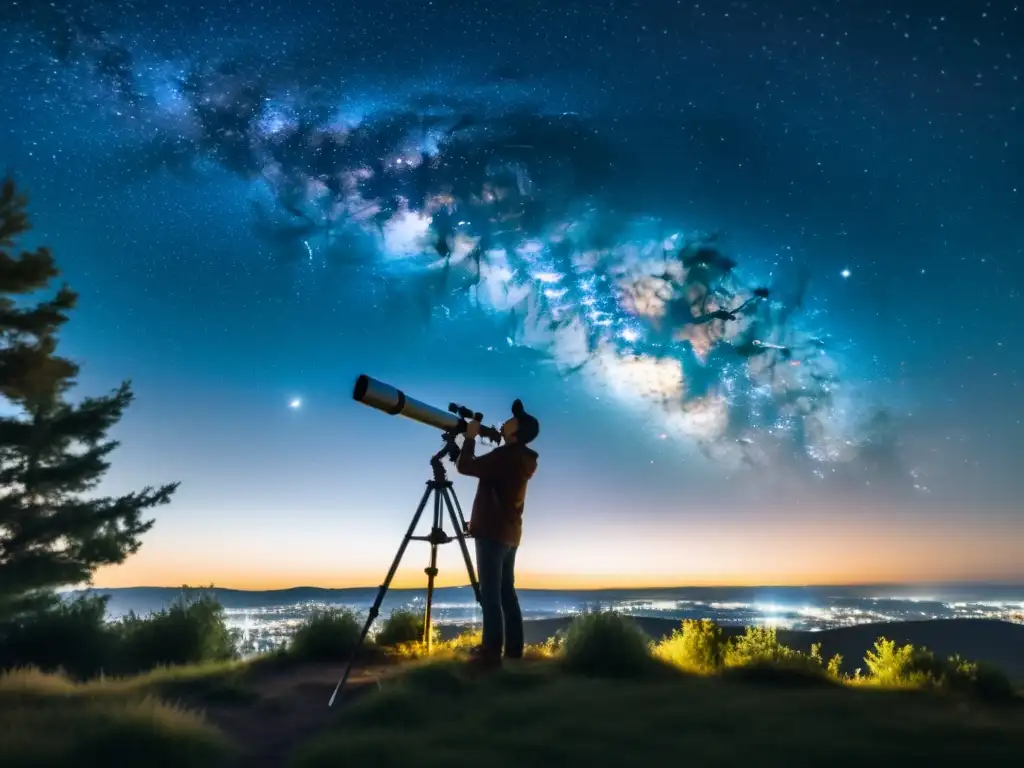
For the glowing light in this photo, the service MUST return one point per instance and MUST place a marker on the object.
(295, 403)
(845, 273)
(547, 277)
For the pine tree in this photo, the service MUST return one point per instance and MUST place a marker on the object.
(53, 531)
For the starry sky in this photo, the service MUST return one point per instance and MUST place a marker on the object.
(755, 266)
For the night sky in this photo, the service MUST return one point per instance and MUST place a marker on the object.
(478, 201)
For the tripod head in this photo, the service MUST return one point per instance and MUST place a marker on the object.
(450, 450)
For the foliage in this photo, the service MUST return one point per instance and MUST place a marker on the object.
(327, 634)
(189, 631)
(894, 666)
(910, 667)
(53, 454)
(404, 626)
(552, 648)
(758, 645)
(698, 646)
(607, 644)
(71, 636)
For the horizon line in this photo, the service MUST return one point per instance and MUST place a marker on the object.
(961, 582)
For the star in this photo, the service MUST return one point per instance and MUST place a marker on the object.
(295, 403)
(845, 273)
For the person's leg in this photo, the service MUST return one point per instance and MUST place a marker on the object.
(513, 614)
(489, 562)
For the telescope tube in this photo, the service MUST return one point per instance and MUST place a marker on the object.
(395, 402)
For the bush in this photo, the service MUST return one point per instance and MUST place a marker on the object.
(985, 681)
(910, 667)
(403, 626)
(898, 667)
(327, 634)
(606, 644)
(700, 646)
(71, 636)
(190, 631)
(759, 645)
(697, 646)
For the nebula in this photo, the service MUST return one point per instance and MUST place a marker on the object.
(518, 212)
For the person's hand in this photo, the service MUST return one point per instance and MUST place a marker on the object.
(472, 429)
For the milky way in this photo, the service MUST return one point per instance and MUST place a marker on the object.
(512, 210)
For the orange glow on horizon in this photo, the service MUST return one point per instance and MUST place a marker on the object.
(779, 549)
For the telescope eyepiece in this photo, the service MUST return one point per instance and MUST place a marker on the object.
(464, 412)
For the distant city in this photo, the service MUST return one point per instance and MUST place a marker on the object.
(265, 620)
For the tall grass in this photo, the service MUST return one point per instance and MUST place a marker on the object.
(49, 720)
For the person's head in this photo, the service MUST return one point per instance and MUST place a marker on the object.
(522, 427)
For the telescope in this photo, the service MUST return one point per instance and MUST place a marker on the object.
(395, 402)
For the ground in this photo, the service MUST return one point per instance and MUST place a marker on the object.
(443, 714)
(275, 713)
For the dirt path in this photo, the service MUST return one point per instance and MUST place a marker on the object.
(290, 709)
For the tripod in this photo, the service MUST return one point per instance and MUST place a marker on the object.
(443, 492)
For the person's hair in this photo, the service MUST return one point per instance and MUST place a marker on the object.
(529, 427)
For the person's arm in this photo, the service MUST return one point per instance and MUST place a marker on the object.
(486, 467)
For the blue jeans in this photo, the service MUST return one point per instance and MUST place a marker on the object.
(503, 619)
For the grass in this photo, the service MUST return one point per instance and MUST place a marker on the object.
(198, 684)
(541, 714)
(603, 694)
(49, 720)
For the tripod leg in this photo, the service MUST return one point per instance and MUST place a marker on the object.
(375, 608)
(448, 496)
(460, 519)
(431, 570)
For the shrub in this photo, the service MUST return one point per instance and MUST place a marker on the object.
(606, 644)
(190, 631)
(70, 635)
(759, 645)
(697, 646)
(327, 634)
(835, 667)
(892, 666)
(552, 648)
(984, 680)
(910, 667)
(404, 626)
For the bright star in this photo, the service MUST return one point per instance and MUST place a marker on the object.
(295, 404)
(845, 273)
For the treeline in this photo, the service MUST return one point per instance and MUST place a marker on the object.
(75, 637)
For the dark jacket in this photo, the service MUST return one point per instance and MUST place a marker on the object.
(500, 497)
